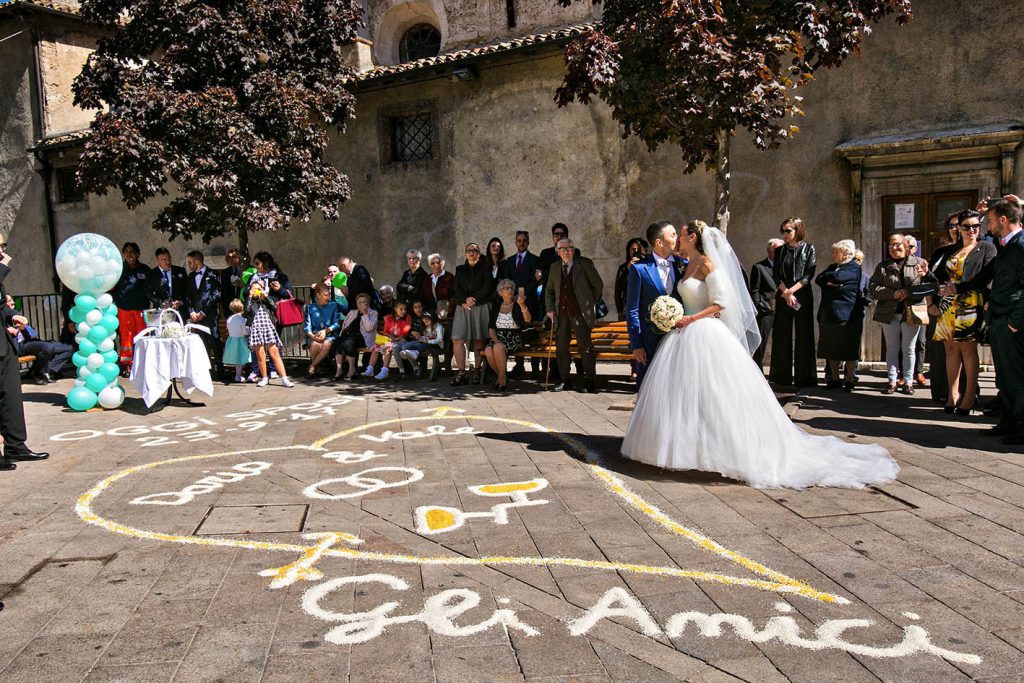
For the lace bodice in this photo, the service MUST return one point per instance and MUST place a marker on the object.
(699, 294)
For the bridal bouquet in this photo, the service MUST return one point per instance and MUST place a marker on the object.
(665, 313)
(172, 331)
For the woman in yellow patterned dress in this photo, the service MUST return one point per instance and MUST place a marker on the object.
(967, 274)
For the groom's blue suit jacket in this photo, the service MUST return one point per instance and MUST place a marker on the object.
(643, 287)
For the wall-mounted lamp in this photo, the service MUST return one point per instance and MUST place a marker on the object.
(463, 73)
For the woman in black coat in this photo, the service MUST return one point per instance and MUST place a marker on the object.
(408, 288)
(474, 291)
(841, 314)
(793, 329)
(636, 250)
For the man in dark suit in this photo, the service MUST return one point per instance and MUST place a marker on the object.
(12, 413)
(167, 284)
(51, 356)
(548, 257)
(520, 268)
(573, 290)
(1006, 317)
(655, 276)
(762, 291)
(359, 282)
(230, 281)
(204, 301)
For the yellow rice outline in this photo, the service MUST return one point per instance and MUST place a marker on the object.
(773, 580)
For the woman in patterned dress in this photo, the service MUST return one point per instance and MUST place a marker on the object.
(509, 317)
(266, 287)
(960, 311)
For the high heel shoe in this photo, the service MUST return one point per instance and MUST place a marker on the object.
(459, 380)
(963, 412)
(949, 409)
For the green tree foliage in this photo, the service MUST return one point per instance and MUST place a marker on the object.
(691, 72)
(232, 101)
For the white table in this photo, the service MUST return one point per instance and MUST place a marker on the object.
(159, 361)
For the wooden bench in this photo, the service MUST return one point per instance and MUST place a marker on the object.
(610, 339)
(26, 360)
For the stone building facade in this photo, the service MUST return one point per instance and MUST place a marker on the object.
(468, 144)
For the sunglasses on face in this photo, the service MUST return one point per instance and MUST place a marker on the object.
(472, 251)
(973, 226)
(786, 231)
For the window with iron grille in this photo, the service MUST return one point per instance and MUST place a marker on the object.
(68, 190)
(411, 137)
(419, 42)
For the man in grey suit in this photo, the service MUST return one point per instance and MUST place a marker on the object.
(571, 294)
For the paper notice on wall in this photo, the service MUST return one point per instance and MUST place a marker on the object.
(904, 217)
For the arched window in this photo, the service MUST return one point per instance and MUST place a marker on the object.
(422, 40)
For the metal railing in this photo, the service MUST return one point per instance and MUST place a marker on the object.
(43, 313)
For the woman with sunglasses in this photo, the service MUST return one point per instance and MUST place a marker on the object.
(793, 270)
(935, 351)
(967, 272)
(474, 291)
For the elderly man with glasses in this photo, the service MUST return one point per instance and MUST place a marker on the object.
(573, 289)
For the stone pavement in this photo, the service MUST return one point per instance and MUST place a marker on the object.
(456, 535)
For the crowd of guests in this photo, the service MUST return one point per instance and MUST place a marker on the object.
(969, 292)
(466, 322)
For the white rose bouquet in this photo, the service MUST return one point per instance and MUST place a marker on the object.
(172, 331)
(665, 312)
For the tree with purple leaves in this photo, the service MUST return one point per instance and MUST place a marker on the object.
(692, 72)
(230, 102)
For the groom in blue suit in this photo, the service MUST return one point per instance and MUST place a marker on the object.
(655, 276)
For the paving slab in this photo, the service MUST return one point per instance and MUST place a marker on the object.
(286, 535)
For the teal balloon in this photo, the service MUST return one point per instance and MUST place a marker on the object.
(86, 302)
(96, 382)
(110, 310)
(80, 398)
(110, 356)
(98, 334)
(110, 322)
(76, 314)
(86, 347)
(79, 360)
(110, 371)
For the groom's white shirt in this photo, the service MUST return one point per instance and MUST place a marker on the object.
(666, 269)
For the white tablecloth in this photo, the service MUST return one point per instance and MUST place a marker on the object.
(159, 360)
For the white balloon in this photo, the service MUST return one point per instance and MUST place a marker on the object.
(106, 345)
(79, 382)
(79, 338)
(83, 328)
(89, 263)
(95, 361)
(104, 300)
(111, 397)
(84, 372)
(93, 316)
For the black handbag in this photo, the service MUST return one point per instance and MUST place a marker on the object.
(601, 309)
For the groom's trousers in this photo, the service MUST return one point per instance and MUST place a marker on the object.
(563, 340)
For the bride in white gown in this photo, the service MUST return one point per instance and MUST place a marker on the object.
(705, 405)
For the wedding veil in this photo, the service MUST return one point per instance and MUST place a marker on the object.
(738, 314)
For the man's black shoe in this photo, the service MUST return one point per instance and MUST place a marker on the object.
(998, 430)
(563, 386)
(7, 465)
(25, 455)
(48, 377)
(39, 379)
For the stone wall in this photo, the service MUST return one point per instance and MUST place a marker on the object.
(62, 55)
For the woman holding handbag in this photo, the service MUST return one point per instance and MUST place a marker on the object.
(966, 272)
(898, 287)
(266, 289)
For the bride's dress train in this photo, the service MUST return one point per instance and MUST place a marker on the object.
(705, 405)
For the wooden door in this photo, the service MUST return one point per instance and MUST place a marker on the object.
(923, 216)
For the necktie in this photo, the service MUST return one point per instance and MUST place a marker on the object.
(167, 274)
(519, 263)
(565, 270)
(666, 276)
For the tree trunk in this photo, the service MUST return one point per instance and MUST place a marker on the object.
(723, 181)
(243, 242)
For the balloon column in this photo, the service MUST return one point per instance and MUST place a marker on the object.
(90, 264)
